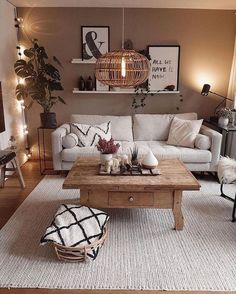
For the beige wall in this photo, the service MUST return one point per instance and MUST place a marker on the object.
(206, 38)
(8, 56)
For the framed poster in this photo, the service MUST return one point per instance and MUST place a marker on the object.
(95, 41)
(164, 70)
(2, 121)
(100, 86)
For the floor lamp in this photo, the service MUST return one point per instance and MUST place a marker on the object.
(206, 90)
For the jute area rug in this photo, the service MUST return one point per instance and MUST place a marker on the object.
(142, 250)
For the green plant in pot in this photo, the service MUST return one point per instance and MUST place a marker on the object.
(224, 114)
(41, 80)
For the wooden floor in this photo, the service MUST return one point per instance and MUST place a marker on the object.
(10, 199)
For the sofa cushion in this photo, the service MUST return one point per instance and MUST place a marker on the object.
(187, 115)
(73, 153)
(202, 142)
(150, 127)
(70, 140)
(183, 132)
(89, 135)
(121, 126)
(156, 126)
(164, 151)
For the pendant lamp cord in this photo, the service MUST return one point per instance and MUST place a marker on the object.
(123, 27)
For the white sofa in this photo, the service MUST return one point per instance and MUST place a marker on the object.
(147, 131)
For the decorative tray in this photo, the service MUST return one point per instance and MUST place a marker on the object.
(128, 170)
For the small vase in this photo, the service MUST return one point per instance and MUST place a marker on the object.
(223, 121)
(105, 157)
(81, 84)
(89, 84)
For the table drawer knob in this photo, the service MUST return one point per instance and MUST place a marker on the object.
(131, 199)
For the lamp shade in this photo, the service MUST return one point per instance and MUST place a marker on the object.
(205, 89)
(122, 68)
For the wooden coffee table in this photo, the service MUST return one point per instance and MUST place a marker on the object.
(162, 191)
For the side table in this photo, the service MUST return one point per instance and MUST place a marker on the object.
(225, 131)
(6, 157)
(45, 169)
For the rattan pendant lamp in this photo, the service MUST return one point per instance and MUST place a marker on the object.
(122, 68)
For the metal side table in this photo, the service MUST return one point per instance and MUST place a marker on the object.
(45, 168)
(230, 199)
(225, 131)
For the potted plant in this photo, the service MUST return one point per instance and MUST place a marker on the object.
(41, 79)
(107, 149)
(224, 115)
(134, 155)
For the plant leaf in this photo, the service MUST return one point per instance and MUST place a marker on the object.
(52, 71)
(57, 61)
(61, 100)
(54, 85)
(29, 52)
(21, 92)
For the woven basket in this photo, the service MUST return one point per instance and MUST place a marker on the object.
(76, 254)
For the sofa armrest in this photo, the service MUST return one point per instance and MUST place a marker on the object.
(57, 136)
(216, 139)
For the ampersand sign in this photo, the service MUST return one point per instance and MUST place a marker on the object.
(95, 42)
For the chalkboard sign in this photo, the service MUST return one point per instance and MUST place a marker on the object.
(2, 122)
(164, 70)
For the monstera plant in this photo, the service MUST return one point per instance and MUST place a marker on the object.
(41, 80)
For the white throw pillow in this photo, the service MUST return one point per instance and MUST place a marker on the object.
(69, 141)
(184, 132)
(227, 170)
(151, 127)
(202, 142)
(89, 135)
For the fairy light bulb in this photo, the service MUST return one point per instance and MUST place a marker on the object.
(21, 81)
(123, 70)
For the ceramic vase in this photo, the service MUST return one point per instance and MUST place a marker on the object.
(89, 84)
(223, 121)
(81, 84)
(105, 157)
(149, 161)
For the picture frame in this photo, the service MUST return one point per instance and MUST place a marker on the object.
(164, 69)
(95, 41)
(100, 86)
(2, 120)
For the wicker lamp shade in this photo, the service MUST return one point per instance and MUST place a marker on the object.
(122, 68)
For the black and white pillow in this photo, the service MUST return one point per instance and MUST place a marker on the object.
(75, 226)
(89, 135)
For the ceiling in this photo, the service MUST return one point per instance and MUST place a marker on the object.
(189, 4)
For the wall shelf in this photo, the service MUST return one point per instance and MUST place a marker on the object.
(77, 91)
(79, 60)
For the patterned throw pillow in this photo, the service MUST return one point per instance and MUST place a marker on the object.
(184, 132)
(76, 226)
(89, 135)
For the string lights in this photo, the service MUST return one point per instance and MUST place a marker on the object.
(19, 24)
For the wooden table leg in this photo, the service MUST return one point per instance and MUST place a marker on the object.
(2, 176)
(18, 171)
(178, 216)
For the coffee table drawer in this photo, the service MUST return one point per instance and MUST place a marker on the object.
(129, 199)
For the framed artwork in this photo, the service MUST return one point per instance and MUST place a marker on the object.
(100, 86)
(95, 41)
(2, 121)
(164, 70)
